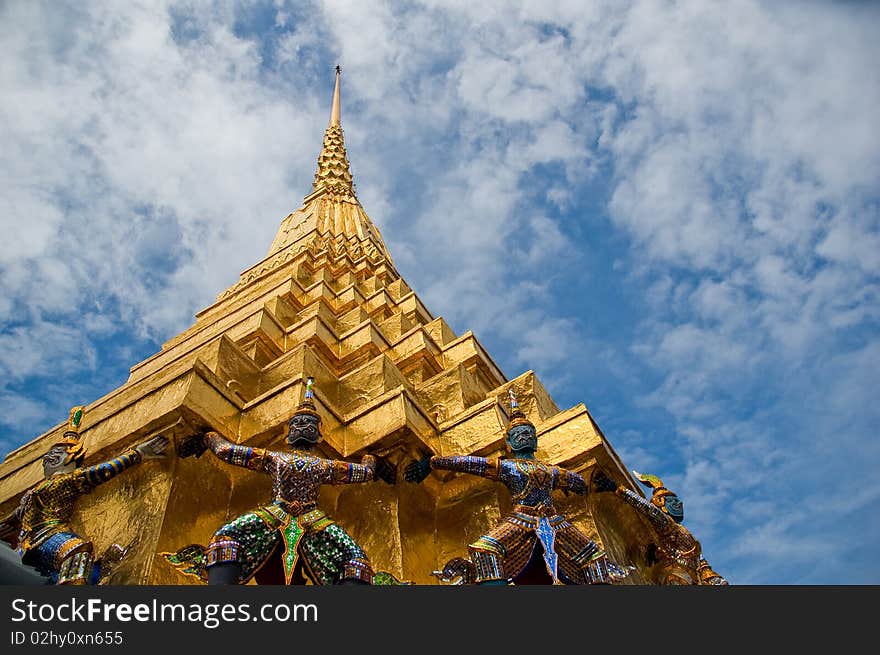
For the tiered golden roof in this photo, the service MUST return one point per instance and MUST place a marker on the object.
(391, 378)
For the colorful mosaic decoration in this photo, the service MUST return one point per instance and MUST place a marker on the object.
(45, 539)
(534, 531)
(676, 556)
(292, 526)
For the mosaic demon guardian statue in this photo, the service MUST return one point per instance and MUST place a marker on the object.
(45, 539)
(676, 555)
(310, 544)
(512, 551)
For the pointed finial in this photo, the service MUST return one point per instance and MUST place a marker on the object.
(307, 406)
(514, 404)
(75, 419)
(334, 111)
(71, 440)
(333, 171)
(517, 416)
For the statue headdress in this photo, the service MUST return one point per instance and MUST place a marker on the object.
(649, 480)
(516, 416)
(71, 440)
(661, 494)
(307, 406)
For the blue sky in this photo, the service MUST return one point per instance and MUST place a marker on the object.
(670, 211)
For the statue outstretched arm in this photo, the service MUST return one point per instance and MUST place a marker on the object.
(482, 466)
(420, 469)
(100, 473)
(339, 472)
(657, 518)
(255, 459)
(92, 476)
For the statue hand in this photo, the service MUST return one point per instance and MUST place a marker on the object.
(385, 470)
(153, 449)
(602, 483)
(418, 470)
(192, 445)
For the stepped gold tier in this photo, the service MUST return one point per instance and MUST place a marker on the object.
(391, 379)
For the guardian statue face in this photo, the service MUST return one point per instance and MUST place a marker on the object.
(522, 439)
(672, 505)
(55, 461)
(304, 430)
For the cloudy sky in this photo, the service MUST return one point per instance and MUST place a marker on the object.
(670, 211)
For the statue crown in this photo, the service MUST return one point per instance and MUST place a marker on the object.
(307, 406)
(71, 440)
(516, 416)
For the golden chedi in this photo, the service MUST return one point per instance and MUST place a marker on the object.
(391, 380)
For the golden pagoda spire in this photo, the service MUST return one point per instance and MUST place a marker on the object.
(333, 172)
(332, 211)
